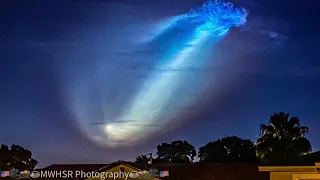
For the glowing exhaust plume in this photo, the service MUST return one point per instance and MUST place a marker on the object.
(219, 13)
(183, 43)
(154, 95)
(207, 23)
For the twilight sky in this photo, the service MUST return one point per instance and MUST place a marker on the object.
(62, 61)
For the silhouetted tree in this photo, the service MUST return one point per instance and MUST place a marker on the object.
(282, 140)
(176, 152)
(229, 149)
(16, 157)
(143, 159)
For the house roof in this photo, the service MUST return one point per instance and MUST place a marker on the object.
(74, 167)
(305, 160)
(212, 171)
(195, 171)
(310, 158)
(128, 164)
(84, 167)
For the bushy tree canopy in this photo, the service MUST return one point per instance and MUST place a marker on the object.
(16, 157)
(282, 140)
(176, 152)
(229, 149)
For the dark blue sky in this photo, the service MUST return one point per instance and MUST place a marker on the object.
(270, 65)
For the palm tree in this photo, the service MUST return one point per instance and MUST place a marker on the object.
(282, 140)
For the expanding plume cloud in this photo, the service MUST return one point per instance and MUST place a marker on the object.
(185, 41)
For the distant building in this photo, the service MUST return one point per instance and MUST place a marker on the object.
(293, 172)
(212, 171)
(186, 171)
(304, 169)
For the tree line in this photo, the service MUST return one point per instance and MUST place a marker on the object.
(281, 141)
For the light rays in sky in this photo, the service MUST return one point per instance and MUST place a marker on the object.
(155, 93)
(157, 90)
(161, 26)
(183, 42)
